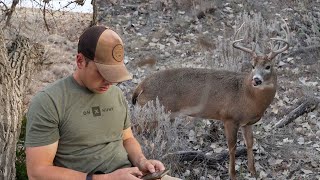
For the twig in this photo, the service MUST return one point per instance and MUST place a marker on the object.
(44, 16)
(10, 12)
(306, 106)
(4, 4)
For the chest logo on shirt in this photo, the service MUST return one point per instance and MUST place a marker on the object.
(97, 111)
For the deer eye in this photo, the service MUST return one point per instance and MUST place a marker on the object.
(268, 67)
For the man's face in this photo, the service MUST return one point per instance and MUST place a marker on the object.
(92, 79)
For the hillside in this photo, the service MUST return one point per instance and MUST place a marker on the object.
(171, 34)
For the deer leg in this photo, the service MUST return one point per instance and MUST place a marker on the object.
(231, 130)
(248, 138)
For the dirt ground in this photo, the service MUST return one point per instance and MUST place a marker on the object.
(172, 34)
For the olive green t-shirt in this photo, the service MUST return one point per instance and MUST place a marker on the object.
(88, 126)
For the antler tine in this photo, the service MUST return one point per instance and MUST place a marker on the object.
(234, 43)
(275, 53)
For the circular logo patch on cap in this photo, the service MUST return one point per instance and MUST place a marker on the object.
(118, 52)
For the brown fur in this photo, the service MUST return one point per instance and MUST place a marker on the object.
(187, 88)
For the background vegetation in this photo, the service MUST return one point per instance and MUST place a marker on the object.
(197, 33)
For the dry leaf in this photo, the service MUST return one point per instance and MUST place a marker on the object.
(263, 174)
(285, 172)
(274, 109)
(287, 140)
(306, 125)
(267, 128)
(300, 140)
(306, 171)
(278, 161)
(218, 150)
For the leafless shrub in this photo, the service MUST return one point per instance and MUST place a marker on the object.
(195, 7)
(61, 71)
(256, 34)
(29, 21)
(157, 134)
(46, 76)
(307, 26)
(161, 138)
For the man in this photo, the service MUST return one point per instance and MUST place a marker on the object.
(79, 127)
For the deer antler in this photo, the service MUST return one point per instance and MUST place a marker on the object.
(234, 43)
(273, 54)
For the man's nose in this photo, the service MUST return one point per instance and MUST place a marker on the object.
(106, 82)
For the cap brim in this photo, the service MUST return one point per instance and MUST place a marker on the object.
(114, 73)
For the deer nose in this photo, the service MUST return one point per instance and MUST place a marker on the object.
(257, 81)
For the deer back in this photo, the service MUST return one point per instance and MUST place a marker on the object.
(216, 94)
(206, 93)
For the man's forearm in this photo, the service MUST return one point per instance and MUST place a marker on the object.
(134, 151)
(54, 172)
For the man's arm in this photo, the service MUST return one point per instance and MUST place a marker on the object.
(133, 147)
(40, 164)
(136, 156)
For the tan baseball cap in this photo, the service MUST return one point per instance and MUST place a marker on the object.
(105, 48)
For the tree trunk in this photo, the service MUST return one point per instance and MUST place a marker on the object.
(17, 64)
(94, 13)
(10, 12)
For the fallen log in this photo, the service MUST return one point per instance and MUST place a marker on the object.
(198, 156)
(306, 106)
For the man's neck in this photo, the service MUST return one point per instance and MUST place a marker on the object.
(77, 78)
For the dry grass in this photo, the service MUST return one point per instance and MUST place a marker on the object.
(157, 134)
(161, 137)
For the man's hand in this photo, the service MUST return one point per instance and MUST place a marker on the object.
(136, 156)
(121, 174)
(150, 165)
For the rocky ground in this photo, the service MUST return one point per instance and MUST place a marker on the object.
(171, 34)
(161, 35)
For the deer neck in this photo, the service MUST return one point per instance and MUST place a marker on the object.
(260, 96)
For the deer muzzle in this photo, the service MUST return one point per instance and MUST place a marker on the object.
(256, 81)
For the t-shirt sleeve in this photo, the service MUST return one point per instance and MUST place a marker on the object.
(42, 121)
(127, 121)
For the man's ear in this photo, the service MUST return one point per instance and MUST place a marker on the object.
(80, 61)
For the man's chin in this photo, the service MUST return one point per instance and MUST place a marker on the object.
(104, 89)
(100, 90)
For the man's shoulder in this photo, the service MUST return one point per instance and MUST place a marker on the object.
(59, 84)
(115, 91)
(53, 89)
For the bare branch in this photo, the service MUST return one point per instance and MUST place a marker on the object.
(5, 6)
(210, 160)
(44, 16)
(10, 12)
